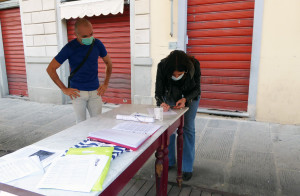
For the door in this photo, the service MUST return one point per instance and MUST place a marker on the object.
(14, 51)
(220, 37)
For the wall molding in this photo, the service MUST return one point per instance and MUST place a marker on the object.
(38, 60)
(182, 25)
(3, 75)
(255, 57)
(143, 61)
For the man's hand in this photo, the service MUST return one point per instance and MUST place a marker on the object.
(180, 103)
(165, 107)
(71, 92)
(101, 90)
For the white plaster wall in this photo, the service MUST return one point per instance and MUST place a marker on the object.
(160, 32)
(40, 44)
(141, 69)
(279, 81)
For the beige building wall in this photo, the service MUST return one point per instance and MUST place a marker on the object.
(160, 18)
(278, 96)
(39, 26)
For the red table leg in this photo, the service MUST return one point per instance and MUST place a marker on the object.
(159, 169)
(179, 151)
(161, 166)
(166, 164)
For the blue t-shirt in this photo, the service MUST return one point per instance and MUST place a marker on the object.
(86, 78)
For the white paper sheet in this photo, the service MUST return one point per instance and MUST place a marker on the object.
(18, 168)
(119, 137)
(136, 127)
(46, 155)
(74, 172)
(3, 193)
(135, 118)
(167, 113)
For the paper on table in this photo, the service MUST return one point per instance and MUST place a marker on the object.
(135, 118)
(121, 138)
(74, 172)
(3, 193)
(18, 168)
(167, 113)
(136, 127)
(46, 155)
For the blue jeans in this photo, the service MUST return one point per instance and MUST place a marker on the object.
(188, 155)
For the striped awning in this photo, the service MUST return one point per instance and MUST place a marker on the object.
(90, 8)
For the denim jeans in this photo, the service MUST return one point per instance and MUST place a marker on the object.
(88, 100)
(188, 155)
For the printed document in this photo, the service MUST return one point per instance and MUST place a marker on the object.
(18, 168)
(127, 134)
(167, 113)
(74, 172)
(45, 155)
(135, 127)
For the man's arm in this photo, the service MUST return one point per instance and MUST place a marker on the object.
(108, 70)
(51, 70)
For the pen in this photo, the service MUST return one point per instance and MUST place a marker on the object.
(97, 161)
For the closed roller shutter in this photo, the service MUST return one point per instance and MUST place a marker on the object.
(114, 32)
(220, 37)
(14, 51)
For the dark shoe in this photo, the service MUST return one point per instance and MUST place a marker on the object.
(187, 176)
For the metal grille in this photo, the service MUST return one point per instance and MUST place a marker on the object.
(220, 37)
(14, 51)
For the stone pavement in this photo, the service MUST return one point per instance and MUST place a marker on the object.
(232, 155)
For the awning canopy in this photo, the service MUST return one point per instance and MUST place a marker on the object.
(90, 8)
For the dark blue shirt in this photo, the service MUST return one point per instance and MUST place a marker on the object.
(86, 78)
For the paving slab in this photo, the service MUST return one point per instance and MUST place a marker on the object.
(200, 124)
(254, 137)
(285, 129)
(216, 144)
(208, 174)
(287, 151)
(18, 110)
(224, 124)
(290, 183)
(253, 173)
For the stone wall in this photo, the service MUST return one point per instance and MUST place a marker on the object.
(142, 62)
(40, 45)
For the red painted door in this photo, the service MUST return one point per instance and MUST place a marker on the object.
(14, 51)
(114, 32)
(220, 37)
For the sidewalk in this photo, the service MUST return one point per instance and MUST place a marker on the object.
(232, 155)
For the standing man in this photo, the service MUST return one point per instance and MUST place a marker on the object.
(83, 53)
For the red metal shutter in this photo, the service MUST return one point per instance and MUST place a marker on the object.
(14, 51)
(114, 32)
(220, 37)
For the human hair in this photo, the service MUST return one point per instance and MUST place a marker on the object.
(178, 60)
(81, 22)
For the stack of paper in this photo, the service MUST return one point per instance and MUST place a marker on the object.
(18, 168)
(45, 155)
(74, 172)
(135, 118)
(167, 113)
(128, 134)
(135, 127)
